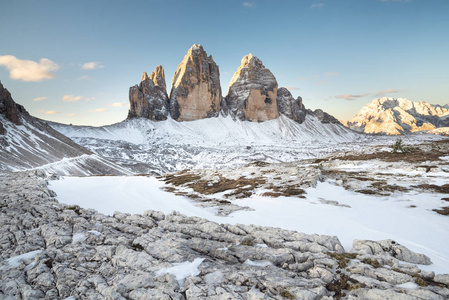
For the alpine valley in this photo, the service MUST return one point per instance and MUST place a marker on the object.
(248, 195)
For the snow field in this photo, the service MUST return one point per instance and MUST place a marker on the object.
(367, 217)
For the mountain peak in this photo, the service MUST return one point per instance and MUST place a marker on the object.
(196, 90)
(252, 92)
(149, 99)
(393, 116)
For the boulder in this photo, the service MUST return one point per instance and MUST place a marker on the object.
(149, 99)
(252, 92)
(392, 248)
(196, 91)
(288, 106)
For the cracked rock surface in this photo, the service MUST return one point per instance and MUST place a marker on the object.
(50, 250)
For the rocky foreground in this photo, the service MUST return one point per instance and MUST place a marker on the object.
(56, 251)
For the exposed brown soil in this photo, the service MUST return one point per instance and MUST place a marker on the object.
(344, 282)
(415, 155)
(286, 191)
(240, 187)
(383, 186)
(342, 258)
(443, 189)
(372, 192)
(443, 211)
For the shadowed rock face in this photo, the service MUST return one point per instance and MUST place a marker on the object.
(324, 117)
(196, 91)
(252, 92)
(149, 99)
(9, 108)
(288, 106)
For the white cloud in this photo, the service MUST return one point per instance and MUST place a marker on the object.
(332, 74)
(91, 66)
(350, 97)
(40, 99)
(28, 70)
(118, 104)
(382, 93)
(98, 110)
(90, 99)
(317, 5)
(71, 98)
(72, 115)
(52, 112)
(248, 4)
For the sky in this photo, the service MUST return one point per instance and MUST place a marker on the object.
(74, 61)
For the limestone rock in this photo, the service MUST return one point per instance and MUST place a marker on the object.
(288, 106)
(252, 92)
(149, 99)
(392, 248)
(125, 263)
(196, 91)
(324, 117)
(9, 108)
(392, 116)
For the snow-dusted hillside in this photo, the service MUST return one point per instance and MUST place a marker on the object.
(35, 145)
(398, 116)
(146, 146)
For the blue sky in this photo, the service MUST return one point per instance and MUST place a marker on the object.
(337, 54)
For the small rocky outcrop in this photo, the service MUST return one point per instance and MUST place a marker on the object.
(196, 91)
(392, 248)
(252, 92)
(324, 117)
(149, 99)
(288, 106)
(9, 108)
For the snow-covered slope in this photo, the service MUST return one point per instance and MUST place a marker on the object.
(146, 146)
(398, 116)
(27, 142)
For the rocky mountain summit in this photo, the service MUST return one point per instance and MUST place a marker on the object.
(149, 99)
(54, 251)
(252, 92)
(9, 109)
(392, 116)
(290, 107)
(196, 90)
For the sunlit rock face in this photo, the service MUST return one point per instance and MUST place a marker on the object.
(289, 106)
(196, 91)
(252, 92)
(149, 99)
(399, 116)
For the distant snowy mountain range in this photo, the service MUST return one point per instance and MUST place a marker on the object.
(392, 116)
